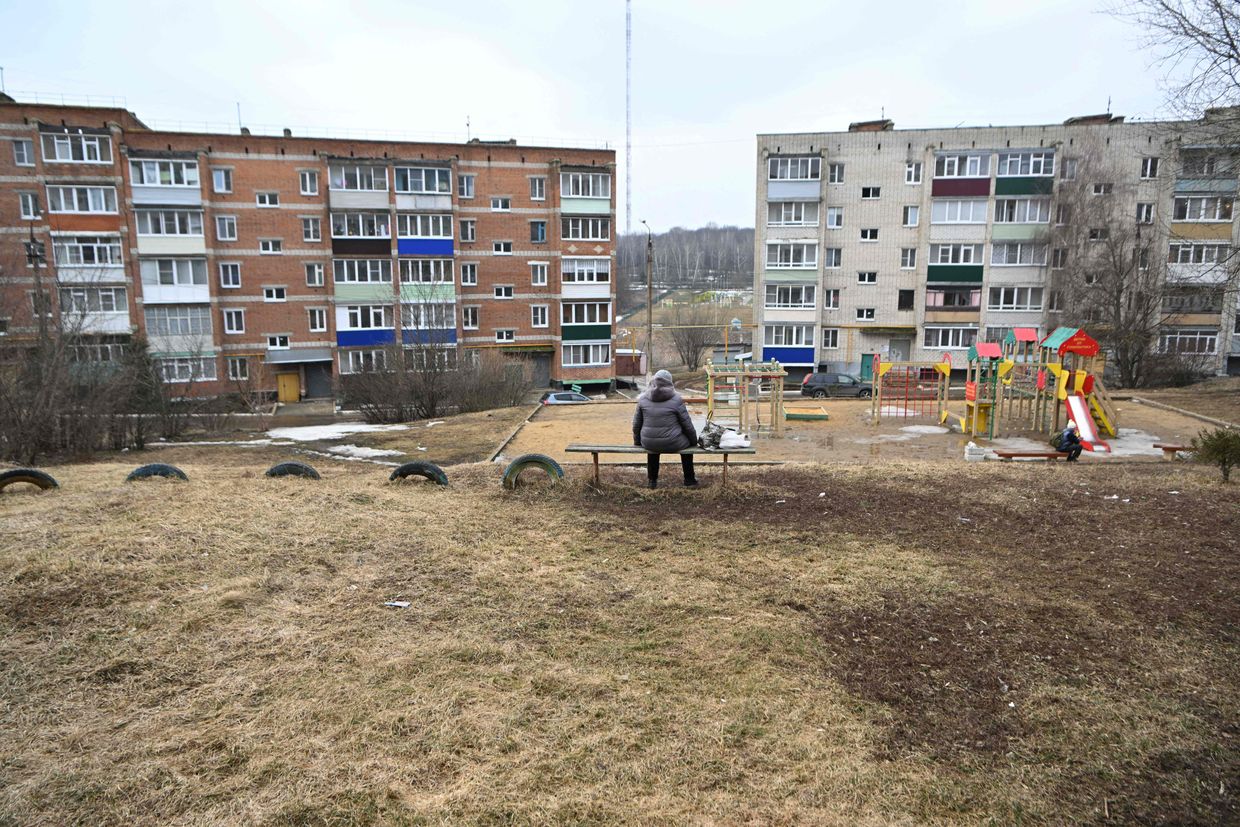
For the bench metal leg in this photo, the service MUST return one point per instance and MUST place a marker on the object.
(725, 471)
(595, 456)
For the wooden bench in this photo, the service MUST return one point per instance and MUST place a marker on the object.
(1008, 456)
(1169, 451)
(595, 450)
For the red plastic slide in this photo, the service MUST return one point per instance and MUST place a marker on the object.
(1078, 412)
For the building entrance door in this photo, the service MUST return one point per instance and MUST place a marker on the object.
(288, 387)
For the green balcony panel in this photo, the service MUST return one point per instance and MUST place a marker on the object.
(585, 206)
(427, 292)
(960, 273)
(585, 332)
(1033, 185)
(1019, 232)
(785, 276)
(364, 293)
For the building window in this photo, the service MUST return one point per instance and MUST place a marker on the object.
(1145, 213)
(788, 335)
(835, 218)
(468, 229)
(830, 299)
(1208, 208)
(469, 317)
(1017, 253)
(505, 335)
(1149, 168)
(538, 273)
(582, 356)
(87, 251)
(867, 277)
(1103, 189)
(431, 315)
(424, 180)
(230, 275)
(308, 182)
(314, 275)
(221, 180)
(23, 152)
(865, 314)
(77, 149)
(86, 200)
(465, 186)
(501, 248)
(792, 214)
(368, 316)
(187, 369)
(270, 246)
(274, 294)
(426, 271)
(267, 199)
(279, 342)
(790, 296)
(410, 225)
(538, 315)
(178, 320)
(869, 234)
(501, 204)
(835, 173)
(1063, 214)
(312, 229)
(1022, 210)
(93, 300)
(956, 253)
(1200, 341)
(958, 211)
(357, 177)
(912, 172)
(226, 227)
(363, 361)
(1015, 298)
(174, 272)
(908, 258)
(830, 338)
(538, 232)
(1198, 253)
(317, 319)
(832, 257)
(1099, 234)
(793, 169)
(469, 274)
(791, 255)
(950, 338)
(582, 270)
(367, 224)
(1067, 170)
(572, 313)
(169, 222)
(962, 166)
(870, 193)
(905, 299)
(163, 173)
(503, 291)
(29, 203)
(1025, 164)
(585, 229)
(238, 368)
(1059, 258)
(362, 271)
(585, 184)
(234, 321)
(911, 216)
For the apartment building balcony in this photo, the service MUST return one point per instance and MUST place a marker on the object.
(90, 274)
(427, 293)
(585, 332)
(365, 337)
(168, 346)
(176, 293)
(1210, 186)
(167, 196)
(585, 290)
(358, 199)
(364, 292)
(1025, 185)
(974, 233)
(968, 187)
(954, 273)
(99, 322)
(423, 201)
(788, 275)
(1211, 273)
(791, 315)
(953, 315)
(578, 205)
(298, 353)
(428, 336)
(362, 246)
(789, 356)
(425, 246)
(1201, 230)
(1180, 319)
(1019, 232)
(172, 245)
(793, 190)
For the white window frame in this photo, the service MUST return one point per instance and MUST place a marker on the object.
(426, 271)
(369, 317)
(1202, 209)
(469, 273)
(831, 298)
(59, 148)
(308, 181)
(504, 335)
(196, 369)
(835, 173)
(267, 200)
(792, 214)
(1149, 168)
(361, 271)
(833, 258)
(171, 320)
(957, 253)
(592, 354)
(540, 311)
(866, 314)
(278, 341)
(314, 274)
(357, 178)
(539, 271)
(962, 165)
(1025, 253)
(911, 215)
(180, 223)
(585, 270)
(275, 294)
(869, 235)
(790, 297)
(1022, 210)
(504, 292)
(912, 172)
(959, 210)
(791, 255)
(28, 205)
(1036, 164)
(830, 338)
(238, 368)
(947, 333)
(270, 246)
(578, 228)
(871, 193)
(501, 203)
(584, 313)
(538, 188)
(230, 275)
(98, 200)
(469, 229)
(1012, 299)
(465, 185)
(788, 335)
(318, 314)
(1145, 212)
(469, 317)
(96, 251)
(221, 173)
(361, 224)
(501, 248)
(908, 258)
(226, 228)
(149, 172)
(585, 185)
(1170, 335)
(23, 152)
(867, 277)
(311, 228)
(835, 218)
(423, 180)
(234, 320)
(794, 168)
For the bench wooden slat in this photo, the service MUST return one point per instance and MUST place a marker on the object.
(633, 449)
(1030, 454)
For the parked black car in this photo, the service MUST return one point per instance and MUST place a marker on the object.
(819, 385)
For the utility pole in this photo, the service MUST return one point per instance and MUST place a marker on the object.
(628, 116)
(649, 303)
(36, 255)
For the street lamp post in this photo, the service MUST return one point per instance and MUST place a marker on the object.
(649, 302)
(36, 256)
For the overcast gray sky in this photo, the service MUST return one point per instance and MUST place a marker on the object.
(707, 74)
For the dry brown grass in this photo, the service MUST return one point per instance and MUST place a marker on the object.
(217, 651)
(1217, 398)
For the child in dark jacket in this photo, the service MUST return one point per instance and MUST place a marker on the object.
(1070, 441)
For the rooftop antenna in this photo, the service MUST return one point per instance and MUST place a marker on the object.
(467, 129)
(628, 116)
(2, 89)
(1108, 104)
(238, 115)
(882, 112)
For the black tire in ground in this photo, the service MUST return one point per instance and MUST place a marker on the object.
(293, 469)
(33, 476)
(526, 461)
(156, 469)
(420, 468)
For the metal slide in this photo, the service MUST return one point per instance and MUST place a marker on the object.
(1078, 411)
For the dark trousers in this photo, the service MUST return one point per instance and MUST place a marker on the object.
(686, 465)
(1074, 451)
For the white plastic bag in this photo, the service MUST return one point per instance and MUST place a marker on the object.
(731, 439)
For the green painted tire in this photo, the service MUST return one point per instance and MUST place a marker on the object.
(420, 468)
(527, 461)
(293, 469)
(156, 469)
(35, 477)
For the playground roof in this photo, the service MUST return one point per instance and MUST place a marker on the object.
(1071, 340)
(1022, 334)
(985, 350)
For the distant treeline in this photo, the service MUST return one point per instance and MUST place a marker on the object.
(704, 258)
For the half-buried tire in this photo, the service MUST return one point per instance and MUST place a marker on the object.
(528, 461)
(156, 469)
(293, 469)
(33, 476)
(426, 470)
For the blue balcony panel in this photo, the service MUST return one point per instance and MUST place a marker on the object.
(789, 355)
(428, 337)
(362, 338)
(424, 246)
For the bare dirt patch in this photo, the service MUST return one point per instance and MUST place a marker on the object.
(1218, 398)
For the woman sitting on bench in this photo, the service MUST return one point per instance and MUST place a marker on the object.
(661, 425)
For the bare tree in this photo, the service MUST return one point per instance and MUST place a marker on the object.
(694, 327)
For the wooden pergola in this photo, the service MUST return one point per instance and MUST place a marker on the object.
(739, 378)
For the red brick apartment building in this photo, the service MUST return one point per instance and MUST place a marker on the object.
(288, 261)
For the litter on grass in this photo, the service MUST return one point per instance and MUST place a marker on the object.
(399, 604)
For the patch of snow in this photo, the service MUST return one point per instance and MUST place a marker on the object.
(349, 459)
(1134, 443)
(361, 451)
(925, 429)
(247, 443)
(314, 433)
(436, 422)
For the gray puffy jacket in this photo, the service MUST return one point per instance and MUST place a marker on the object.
(661, 423)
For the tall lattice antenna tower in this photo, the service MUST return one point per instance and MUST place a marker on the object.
(628, 116)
